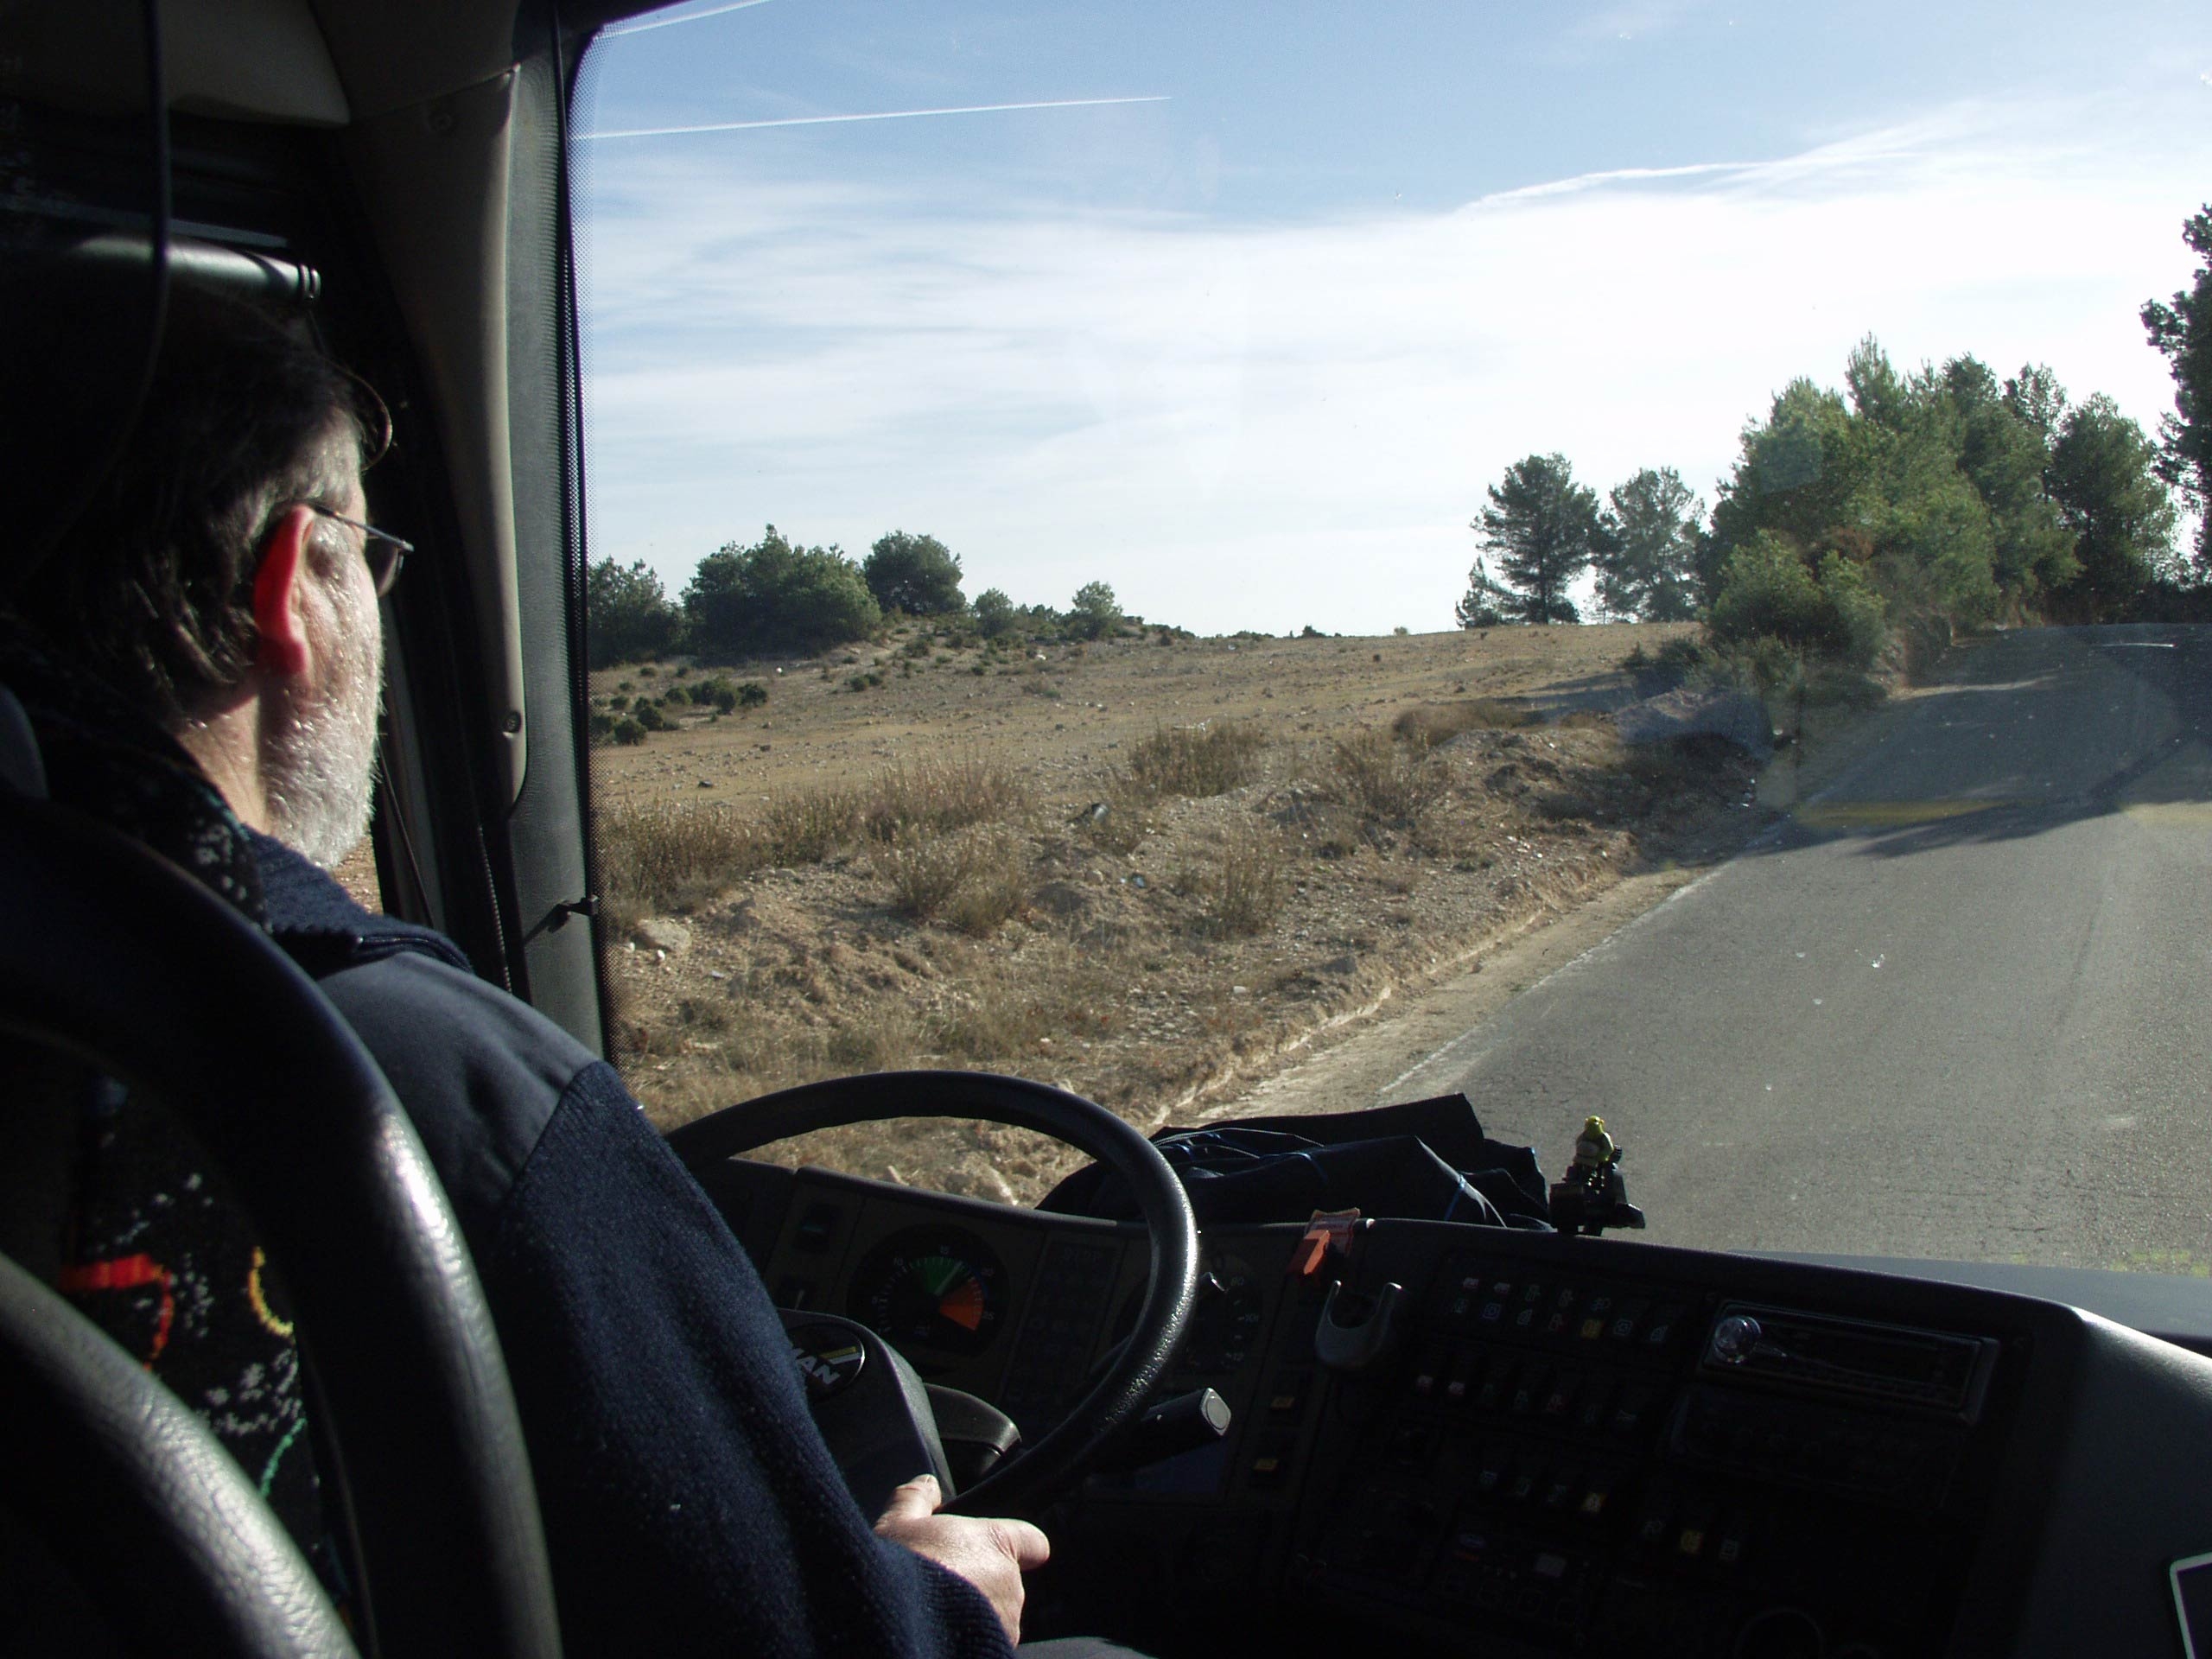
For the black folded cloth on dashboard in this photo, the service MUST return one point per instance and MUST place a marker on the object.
(1422, 1161)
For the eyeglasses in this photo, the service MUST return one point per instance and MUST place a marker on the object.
(384, 551)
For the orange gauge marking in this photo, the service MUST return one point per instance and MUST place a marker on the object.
(964, 1305)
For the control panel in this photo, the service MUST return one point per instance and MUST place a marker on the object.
(1564, 1460)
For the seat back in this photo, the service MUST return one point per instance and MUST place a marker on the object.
(114, 957)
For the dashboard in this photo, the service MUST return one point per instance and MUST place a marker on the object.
(1483, 1441)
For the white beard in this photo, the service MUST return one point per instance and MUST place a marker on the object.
(319, 758)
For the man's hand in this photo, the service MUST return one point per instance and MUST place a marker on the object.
(990, 1554)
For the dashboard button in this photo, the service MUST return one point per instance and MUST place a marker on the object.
(1560, 1401)
(1491, 1470)
(1632, 1408)
(1529, 1392)
(816, 1229)
(1595, 1406)
(1497, 1385)
(1660, 1335)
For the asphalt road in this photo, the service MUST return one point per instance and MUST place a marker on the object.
(1958, 1004)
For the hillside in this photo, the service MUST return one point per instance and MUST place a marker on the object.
(1142, 870)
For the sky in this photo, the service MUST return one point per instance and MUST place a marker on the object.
(1251, 349)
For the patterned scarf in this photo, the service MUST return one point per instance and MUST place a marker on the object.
(157, 1250)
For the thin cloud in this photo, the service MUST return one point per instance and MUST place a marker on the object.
(1639, 20)
(880, 115)
(1613, 175)
(1262, 425)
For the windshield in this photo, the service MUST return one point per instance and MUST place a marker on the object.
(1634, 560)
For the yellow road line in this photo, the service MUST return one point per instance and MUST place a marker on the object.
(1890, 815)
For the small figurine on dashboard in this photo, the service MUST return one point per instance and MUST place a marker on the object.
(1592, 1196)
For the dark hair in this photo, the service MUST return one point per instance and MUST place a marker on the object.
(151, 589)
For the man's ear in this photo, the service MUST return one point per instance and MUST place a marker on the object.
(283, 649)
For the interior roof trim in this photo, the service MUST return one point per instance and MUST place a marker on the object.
(252, 60)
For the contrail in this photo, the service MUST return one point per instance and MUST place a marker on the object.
(880, 115)
(1615, 175)
(670, 22)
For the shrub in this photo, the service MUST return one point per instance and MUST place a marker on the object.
(627, 614)
(940, 796)
(1244, 891)
(649, 716)
(628, 732)
(808, 825)
(972, 877)
(603, 724)
(863, 681)
(1767, 590)
(1197, 760)
(751, 694)
(1096, 613)
(994, 894)
(995, 616)
(775, 595)
(1431, 723)
(676, 697)
(655, 857)
(1684, 655)
(647, 672)
(1387, 782)
(916, 575)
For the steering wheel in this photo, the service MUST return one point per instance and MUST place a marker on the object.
(1034, 1476)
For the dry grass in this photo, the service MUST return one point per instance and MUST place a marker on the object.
(1011, 1014)
(1196, 760)
(939, 796)
(1387, 782)
(1245, 890)
(974, 878)
(1268, 857)
(1432, 723)
(808, 825)
(659, 858)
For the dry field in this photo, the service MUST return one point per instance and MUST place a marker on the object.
(1145, 870)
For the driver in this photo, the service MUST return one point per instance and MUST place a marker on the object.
(202, 660)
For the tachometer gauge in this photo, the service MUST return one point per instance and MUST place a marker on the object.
(937, 1287)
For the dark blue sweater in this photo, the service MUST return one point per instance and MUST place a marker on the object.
(690, 1505)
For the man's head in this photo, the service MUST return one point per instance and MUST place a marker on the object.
(214, 585)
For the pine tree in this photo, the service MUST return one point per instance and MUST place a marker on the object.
(1543, 529)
